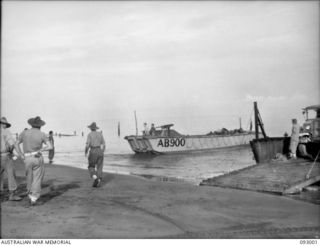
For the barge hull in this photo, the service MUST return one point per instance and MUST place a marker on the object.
(184, 144)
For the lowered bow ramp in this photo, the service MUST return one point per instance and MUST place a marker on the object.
(140, 145)
(284, 178)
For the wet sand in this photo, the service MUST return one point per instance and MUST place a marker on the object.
(134, 207)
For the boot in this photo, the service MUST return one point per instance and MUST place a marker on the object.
(33, 200)
(14, 197)
(95, 183)
(99, 182)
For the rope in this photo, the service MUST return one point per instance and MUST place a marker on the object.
(308, 174)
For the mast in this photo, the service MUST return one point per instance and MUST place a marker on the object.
(135, 117)
(258, 122)
(256, 128)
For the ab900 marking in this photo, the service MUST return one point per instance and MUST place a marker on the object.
(171, 142)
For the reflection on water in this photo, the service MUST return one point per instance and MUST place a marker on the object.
(190, 167)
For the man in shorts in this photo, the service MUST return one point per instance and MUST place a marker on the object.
(7, 145)
(95, 145)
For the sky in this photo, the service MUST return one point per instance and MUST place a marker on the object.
(197, 64)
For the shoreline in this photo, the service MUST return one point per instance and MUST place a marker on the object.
(150, 177)
(302, 196)
(133, 164)
(127, 206)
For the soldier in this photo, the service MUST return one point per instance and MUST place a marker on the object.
(51, 152)
(32, 141)
(152, 130)
(294, 140)
(146, 129)
(304, 139)
(7, 145)
(96, 144)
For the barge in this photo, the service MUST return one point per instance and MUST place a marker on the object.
(167, 140)
(266, 149)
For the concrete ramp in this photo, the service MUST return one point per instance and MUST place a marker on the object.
(286, 177)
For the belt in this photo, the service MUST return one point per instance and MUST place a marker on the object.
(32, 153)
(95, 147)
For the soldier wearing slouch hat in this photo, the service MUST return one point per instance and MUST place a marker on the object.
(7, 145)
(96, 146)
(33, 141)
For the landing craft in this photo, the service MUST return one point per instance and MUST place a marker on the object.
(270, 148)
(167, 140)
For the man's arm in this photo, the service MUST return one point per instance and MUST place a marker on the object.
(86, 149)
(103, 143)
(12, 144)
(18, 149)
(87, 146)
(17, 146)
(48, 146)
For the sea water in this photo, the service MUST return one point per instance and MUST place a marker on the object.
(187, 167)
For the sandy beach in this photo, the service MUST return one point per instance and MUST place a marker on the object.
(134, 207)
